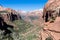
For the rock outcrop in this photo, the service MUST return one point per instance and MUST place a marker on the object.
(51, 10)
(9, 14)
(51, 13)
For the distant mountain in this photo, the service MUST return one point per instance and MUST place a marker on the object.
(34, 16)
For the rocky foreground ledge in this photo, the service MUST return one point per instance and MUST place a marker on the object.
(51, 16)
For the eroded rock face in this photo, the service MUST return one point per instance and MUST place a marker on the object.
(4, 26)
(10, 15)
(5, 16)
(51, 10)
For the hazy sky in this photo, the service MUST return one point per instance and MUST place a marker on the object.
(26, 5)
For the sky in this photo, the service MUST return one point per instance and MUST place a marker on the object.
(26, 5)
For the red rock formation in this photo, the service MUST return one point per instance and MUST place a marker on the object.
(34, 17)
(9, 14)
(51, 9)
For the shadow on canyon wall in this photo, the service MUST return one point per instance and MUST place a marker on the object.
(4, 26)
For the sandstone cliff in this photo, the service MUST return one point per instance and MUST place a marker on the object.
(51, 13)
(51, 10)
(9, 14)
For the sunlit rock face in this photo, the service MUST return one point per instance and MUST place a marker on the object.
(3, 24)
(51, 10)
(9, 14)
(51, 13)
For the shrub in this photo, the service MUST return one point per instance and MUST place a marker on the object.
(49, 38)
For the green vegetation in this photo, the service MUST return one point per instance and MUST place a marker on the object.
(26, 31)
(34, 17)
(52, 19)
(49, 38)
(22, 25)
